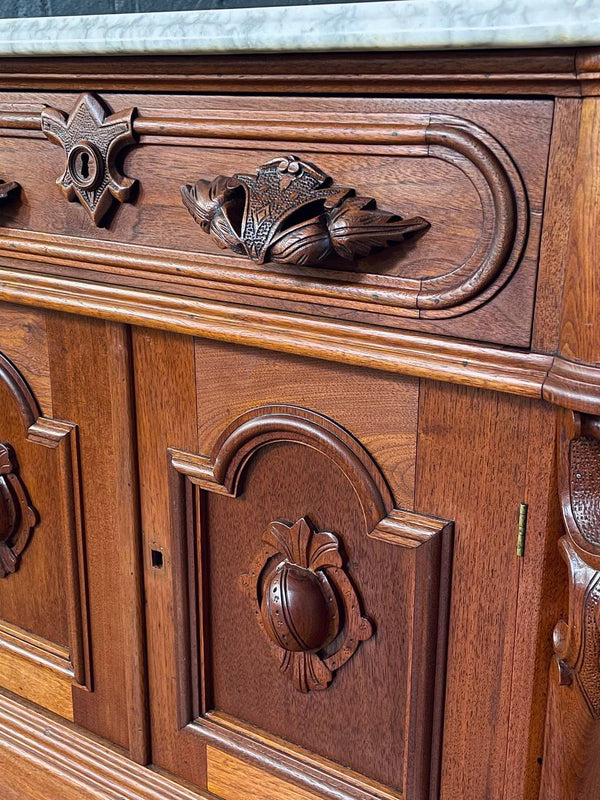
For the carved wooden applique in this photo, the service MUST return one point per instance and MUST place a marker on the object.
(306, 603)
(92, 141)
(290, 213)
(17, 517)
(573, 715)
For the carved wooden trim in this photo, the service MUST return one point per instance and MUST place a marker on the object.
(9, 189)
(250, 214)
(541, 72)
(40, 755)
(458, 141)
(573, 385)
(62, 437)
(92, 141)
(573, 716)
(420, 355)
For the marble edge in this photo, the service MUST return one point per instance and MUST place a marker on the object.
(390, 25)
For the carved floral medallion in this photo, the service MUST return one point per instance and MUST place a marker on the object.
(306, 603)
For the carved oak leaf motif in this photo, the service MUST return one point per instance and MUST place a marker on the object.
(17, 517)
(290, 212)
(91, 141)
(306, 603)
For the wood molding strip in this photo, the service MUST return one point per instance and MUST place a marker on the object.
(84, 765)
(573, 385)
(36, 649)
(368, 346)
(563, 71)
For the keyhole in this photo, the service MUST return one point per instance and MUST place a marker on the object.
(85, 166)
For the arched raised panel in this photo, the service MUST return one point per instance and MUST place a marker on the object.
(320, 603)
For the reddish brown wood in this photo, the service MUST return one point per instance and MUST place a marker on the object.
(284, 190)
(80, 352)
(479, 151)
(573, 713)
(337, 405)
(92, 142)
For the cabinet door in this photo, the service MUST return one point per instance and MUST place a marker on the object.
(68, 524)
(296, 598)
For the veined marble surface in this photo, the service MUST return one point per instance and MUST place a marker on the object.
(392, 25)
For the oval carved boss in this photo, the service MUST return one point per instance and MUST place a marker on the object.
(290, 212)
(306, 603)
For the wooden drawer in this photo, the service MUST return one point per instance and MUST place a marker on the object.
(474, 169)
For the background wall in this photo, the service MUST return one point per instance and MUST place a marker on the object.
(47, 8)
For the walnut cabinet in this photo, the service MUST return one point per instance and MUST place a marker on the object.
(300, 427)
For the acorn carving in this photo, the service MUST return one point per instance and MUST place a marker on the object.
(306, 603)
(290, 212)
(298, 609)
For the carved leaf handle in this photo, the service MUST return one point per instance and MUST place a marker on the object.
(290, 212)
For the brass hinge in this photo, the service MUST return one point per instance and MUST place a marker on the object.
(522, 530)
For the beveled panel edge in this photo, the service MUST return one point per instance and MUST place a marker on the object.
(36, 669)
(438, 358)
(78, 760)
(35, 648)
(41, 684)
(286, 761)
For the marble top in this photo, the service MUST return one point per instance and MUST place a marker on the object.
(390, 25)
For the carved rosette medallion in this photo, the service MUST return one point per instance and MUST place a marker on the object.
(92, 141)
(17, 517)
(290, 212)
(306, 603)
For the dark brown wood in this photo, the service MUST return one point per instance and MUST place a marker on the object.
(303, 219)
(92, 141)
(559, 71)
(17, 516)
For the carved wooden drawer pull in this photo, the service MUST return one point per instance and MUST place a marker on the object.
(306, 603)
(291, 213)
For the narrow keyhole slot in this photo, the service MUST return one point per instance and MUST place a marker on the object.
(85, 166)
(157, 559)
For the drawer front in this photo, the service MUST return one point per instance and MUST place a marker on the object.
(474, 170)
